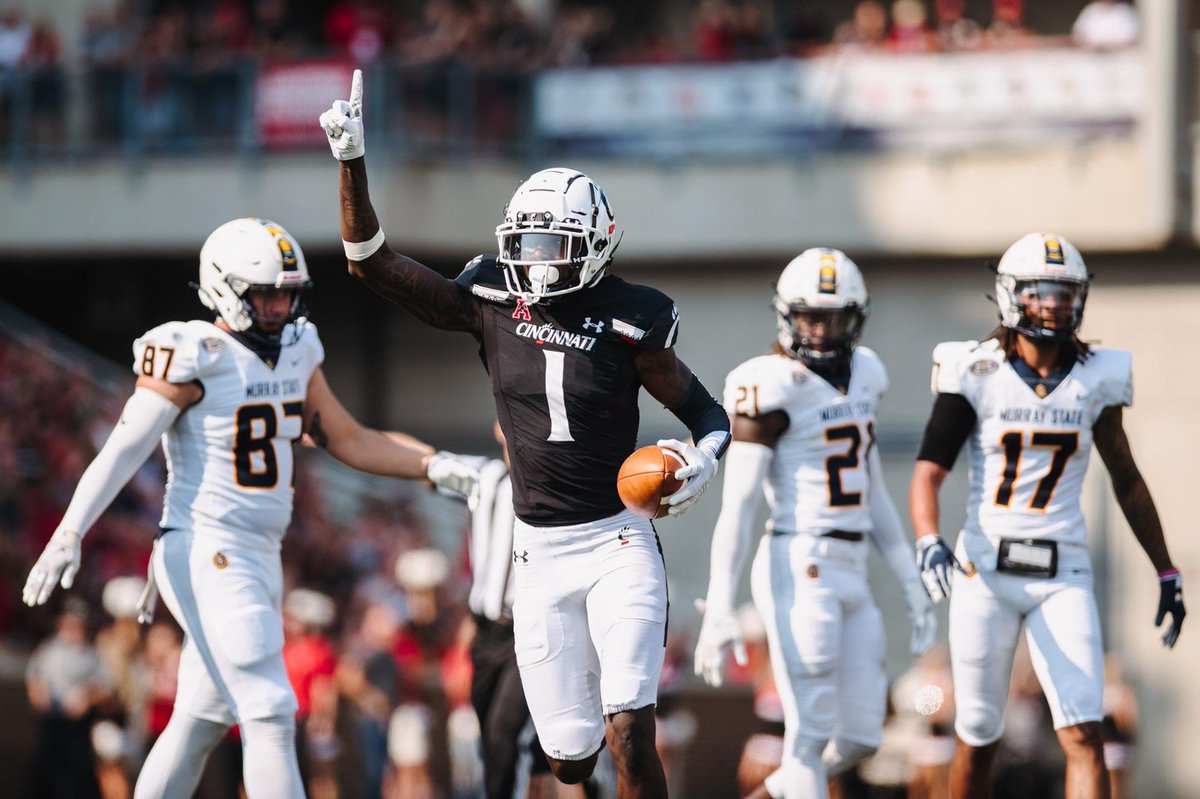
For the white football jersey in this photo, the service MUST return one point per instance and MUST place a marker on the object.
(1027, 454)
(818, 479)
(229, 457)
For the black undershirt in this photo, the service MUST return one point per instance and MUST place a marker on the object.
(950, 424)
(836, 374)
(267, 348)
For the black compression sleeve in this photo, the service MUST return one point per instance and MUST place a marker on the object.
(702, 414)
(950, 423)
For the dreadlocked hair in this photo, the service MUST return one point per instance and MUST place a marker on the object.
(1074, 350)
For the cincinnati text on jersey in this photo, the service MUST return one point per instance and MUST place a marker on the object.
(1063, 416)
(551, 335)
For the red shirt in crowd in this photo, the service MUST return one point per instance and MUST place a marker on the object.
(306, 658)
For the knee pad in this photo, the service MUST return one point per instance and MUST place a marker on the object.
(978, 725)
(631, 682)
(269, 764)
(813, 696)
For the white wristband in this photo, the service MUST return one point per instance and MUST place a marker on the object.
(362, 250)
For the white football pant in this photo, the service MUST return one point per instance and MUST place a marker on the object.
(589, 617)
(1062, 627)
(827, 654)
(227, 600)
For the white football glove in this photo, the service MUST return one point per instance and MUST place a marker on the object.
(920, 617)
(935, 560)
(699, 468)
(719, 632)
(343, 123)
(448, 471)
(58, 563)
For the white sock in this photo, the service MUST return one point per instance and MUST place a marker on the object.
(269, 766)
(841, 755)
(176, 761)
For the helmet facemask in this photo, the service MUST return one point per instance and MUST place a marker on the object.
(1042, 309)
(544, 262)
(270, 328)
(819, 336)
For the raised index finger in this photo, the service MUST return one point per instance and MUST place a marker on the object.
(356, 94)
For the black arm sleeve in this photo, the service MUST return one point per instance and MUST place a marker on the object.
(703, 415)
(950, 424)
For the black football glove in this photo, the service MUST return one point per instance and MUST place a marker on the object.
(1170, 600)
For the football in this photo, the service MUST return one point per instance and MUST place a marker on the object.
(647, 478)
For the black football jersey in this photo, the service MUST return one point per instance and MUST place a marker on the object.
(566, 386)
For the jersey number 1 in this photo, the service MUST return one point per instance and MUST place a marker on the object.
(560, 428)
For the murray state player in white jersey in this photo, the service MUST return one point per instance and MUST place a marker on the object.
(1029, 402)
(804, 434)
(228, 399)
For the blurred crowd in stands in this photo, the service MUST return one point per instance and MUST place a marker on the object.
(377, 641)
(155, 70)
(512, 35)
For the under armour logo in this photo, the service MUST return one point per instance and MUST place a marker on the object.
(621, 535)
(522, 311)
(597, 326)
(521, 556)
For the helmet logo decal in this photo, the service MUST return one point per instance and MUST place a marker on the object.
(1054, 252)
(827, 277)
(285, 247)
(522, 311)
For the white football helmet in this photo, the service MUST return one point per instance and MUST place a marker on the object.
(1039, 281)
(558, 235)
(822, 305)
(247, 255)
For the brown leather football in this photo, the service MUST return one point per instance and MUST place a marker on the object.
(647, 477)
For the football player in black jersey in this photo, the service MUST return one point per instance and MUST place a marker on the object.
(568, 347)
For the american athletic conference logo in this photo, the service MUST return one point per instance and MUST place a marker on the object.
(522, 311)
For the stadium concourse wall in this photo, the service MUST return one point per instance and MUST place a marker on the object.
(1107, 193)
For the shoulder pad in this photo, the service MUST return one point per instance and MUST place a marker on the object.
(178, 352)
(642, 314)
(1114, 375)
(310, 343)
(483, 277)
(867, 359)
(951, 359)
(760, 385)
